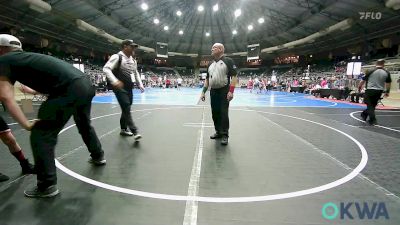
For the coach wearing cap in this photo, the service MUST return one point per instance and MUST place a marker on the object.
(222, 79)
(69, 91)
(121, 72)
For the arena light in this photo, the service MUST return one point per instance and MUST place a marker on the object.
(250, 27)
(200, 8)
(82, 25)
(156, 21)
(234, 32)
(181, 32)
(238, 12)
(394, 4)
(215, 7)
(261, 20)
(39, 6)
(207, 34)
(144, 6)
(179, 13)
(166, 28)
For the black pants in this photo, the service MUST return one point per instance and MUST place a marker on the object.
(371, 98)
(219, 109)
(53, 114)
(125, 99)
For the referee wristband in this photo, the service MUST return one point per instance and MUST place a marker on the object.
(231, 89)
(205, 89)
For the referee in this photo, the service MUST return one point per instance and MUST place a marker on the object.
(376, 81)
(222, 78)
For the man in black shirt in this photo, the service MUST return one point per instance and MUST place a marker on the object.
(222, 78)
(69, 92)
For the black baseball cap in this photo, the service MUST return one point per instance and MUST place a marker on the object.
(129, 42)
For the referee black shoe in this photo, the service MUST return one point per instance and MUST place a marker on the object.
(3, 177)
(216, 136)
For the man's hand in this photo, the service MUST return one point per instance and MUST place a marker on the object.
(31, 124)
(202, 97)
(229, 96)
(118, 85)
(141, 88)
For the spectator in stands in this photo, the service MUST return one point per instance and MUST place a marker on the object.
(119, 70)
(376, 81)
(324, 83)
(179, 82)
(70, 93)
(222, 78)
(355, 97)
(398, 81)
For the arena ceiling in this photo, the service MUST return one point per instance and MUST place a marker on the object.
(284, 21)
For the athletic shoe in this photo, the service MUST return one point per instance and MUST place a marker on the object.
(27, 167)
(216, 136)
(98, 162)
(137, 136)
(3, 177)
(35, 192)
(126, 132)
(224, 140)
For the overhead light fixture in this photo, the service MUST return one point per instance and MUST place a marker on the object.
(238, 12)
(234, 32)
(180, 32)
(156, 21)
(215, 7)
(144, 6)
(261, 20)
(200, 8)
(82, 25)
(179, 13)
(250, 27)
(166, 27)
(207, 34)
(39, 6)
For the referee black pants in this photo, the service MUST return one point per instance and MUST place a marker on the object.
(219, 109)
(125, 99)
(371, 98)
(53, 114)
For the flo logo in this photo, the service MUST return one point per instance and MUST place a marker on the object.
(370, 15)
(355, 210)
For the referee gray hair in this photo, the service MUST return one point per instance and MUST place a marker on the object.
(220, 45)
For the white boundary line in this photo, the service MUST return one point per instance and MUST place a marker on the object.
(354, 173)
(190, 217)
(387, 128)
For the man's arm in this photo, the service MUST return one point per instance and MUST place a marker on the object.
(28, 90)
(7, 97)
(387, 84)
(205, 88)
(138, 80)
(107, 69)
(361, 85)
